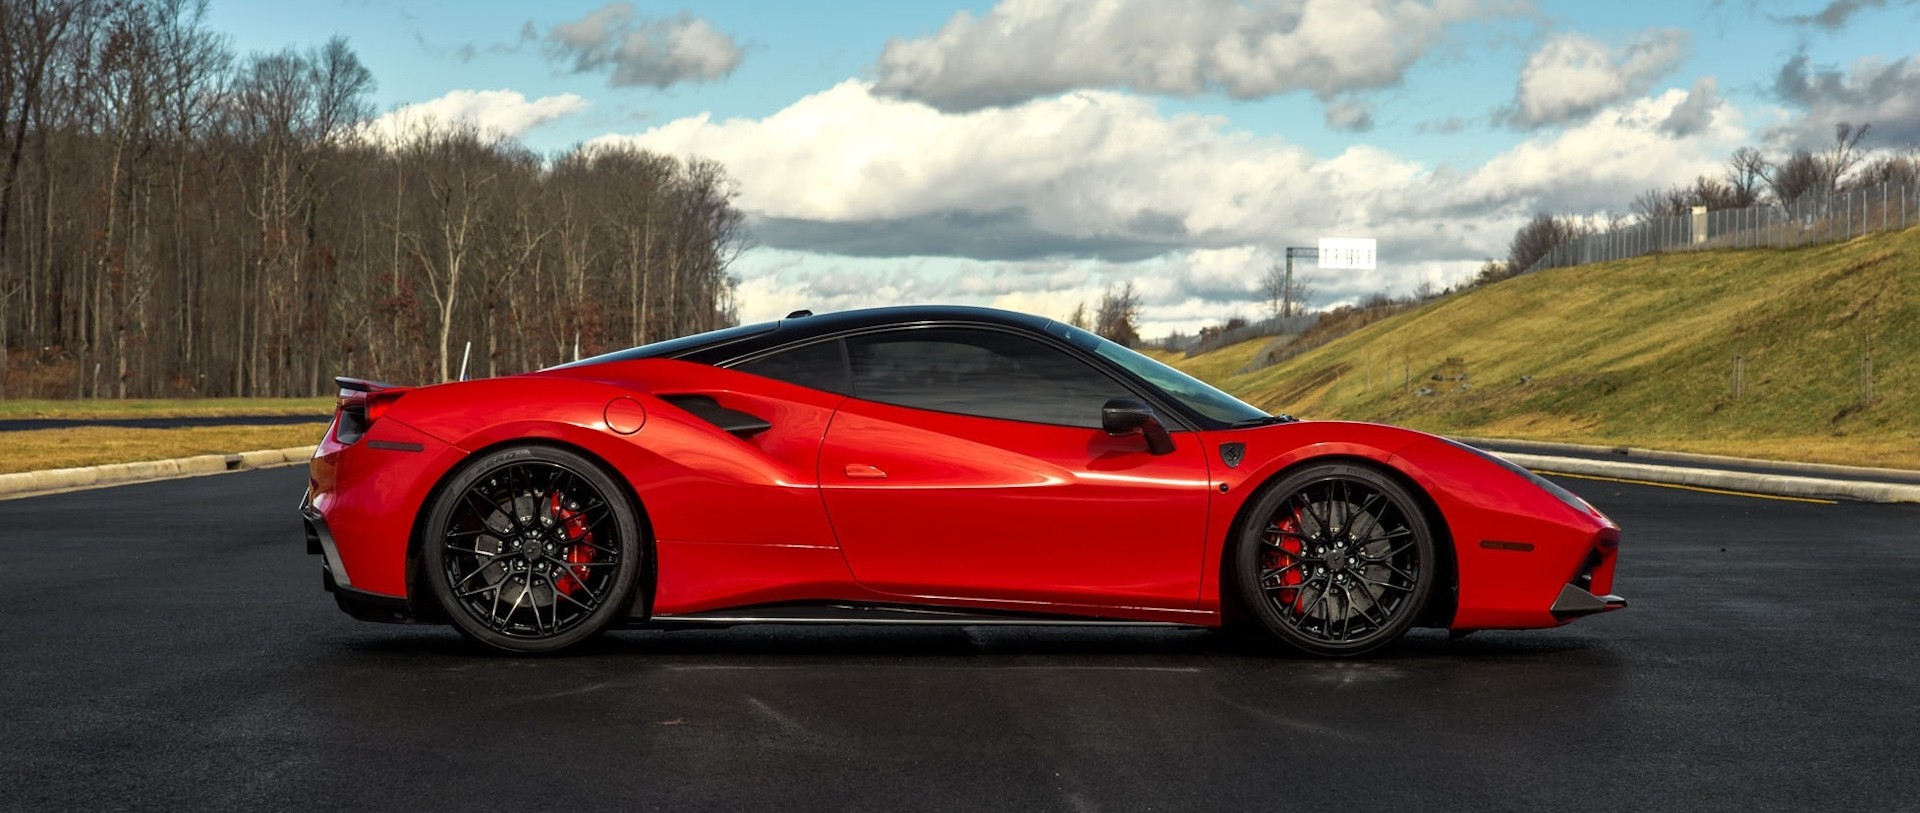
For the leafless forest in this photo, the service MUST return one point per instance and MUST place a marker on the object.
(179, 219)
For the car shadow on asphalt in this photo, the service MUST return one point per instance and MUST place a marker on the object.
(760, 642)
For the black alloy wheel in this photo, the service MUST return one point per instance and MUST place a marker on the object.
(1336, 560)
(532, 549)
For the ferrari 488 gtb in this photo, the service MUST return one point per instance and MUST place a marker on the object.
(925, 465)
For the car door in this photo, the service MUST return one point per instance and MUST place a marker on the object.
(970, 463)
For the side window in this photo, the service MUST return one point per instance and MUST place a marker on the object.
(821, 365)
(979, 372)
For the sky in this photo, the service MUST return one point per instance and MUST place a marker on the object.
(1032, 154)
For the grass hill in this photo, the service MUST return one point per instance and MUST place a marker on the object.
(1640, 352)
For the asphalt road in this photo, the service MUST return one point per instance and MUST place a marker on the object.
(167, 645)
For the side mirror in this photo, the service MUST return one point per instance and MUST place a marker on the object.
(1128, 416)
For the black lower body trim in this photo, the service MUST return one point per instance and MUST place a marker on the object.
(372, 606)
(850, 613)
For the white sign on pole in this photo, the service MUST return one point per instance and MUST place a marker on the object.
(1346, 252)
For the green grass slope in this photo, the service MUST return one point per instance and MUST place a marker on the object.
(1640, 353)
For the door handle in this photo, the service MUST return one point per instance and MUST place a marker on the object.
(862, 471)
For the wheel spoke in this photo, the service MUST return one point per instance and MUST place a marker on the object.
(472, 552)
(485, 508)
(590, 543)
(1278, 531)
(1346, 507)
(1387, 585)
(481, 568)
(1392, 552)
(1319, 599)
(1267, 576)
(508, 618)
(1374, 519)
(1374, 601)
(532, 502)
(575, 601)
(493, 614)
(536, 605)
(477, 591)
(1398, 572)
(1346, 613)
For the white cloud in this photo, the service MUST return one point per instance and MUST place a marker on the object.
(1571, 76)
(861, 199)
(1026, 49)
(1696, 113)
(500, 112)
(641, 50)
(1874, 91)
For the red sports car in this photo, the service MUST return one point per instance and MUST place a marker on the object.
(922, 465)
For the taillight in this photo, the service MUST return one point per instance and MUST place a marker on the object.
(351, 421)
(360, 404)
(377, 404)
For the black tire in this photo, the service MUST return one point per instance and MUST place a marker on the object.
(552, 572)
(1335, 560)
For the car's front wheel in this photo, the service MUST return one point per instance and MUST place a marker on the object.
(1335, 560)
(532, 549)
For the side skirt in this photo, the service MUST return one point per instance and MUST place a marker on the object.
(847, 613)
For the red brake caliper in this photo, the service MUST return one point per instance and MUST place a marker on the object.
(578, 551)
(1290, 546)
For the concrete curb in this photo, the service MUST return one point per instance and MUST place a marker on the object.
(54, 481)
(1781, 485)
(1703, 460)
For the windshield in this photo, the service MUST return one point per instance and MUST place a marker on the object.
(1195, 394)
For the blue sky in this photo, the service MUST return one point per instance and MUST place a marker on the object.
(1031, 153)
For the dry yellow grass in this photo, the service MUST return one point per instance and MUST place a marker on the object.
(95, 445)
(1639, 353)
(164, 407)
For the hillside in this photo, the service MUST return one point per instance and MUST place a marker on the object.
(1641, 352)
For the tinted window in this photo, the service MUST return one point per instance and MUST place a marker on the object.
(979, 372)
(821, 366)
(1194, 393)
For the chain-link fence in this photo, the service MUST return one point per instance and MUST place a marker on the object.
(1810, 220)
(1215, 339)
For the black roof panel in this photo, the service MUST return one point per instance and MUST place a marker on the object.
(727, 343)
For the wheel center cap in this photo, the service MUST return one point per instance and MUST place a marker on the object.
(532, 548)
(1336, 561)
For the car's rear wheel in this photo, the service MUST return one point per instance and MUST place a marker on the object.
(532, 549)
(1335, 560)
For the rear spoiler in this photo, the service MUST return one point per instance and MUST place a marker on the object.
(360, 403)
(362, 385)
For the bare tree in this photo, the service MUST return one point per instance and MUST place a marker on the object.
(1747, 173)
(1079, 317)
(1844, 153)
(1809, 173)
(448, 228)
(1273, 289)
(1283, 297)
(1115, 317)
(1801, 174)
(1540, 235)
(1301, 294)
(1898, 168)
(178, 219)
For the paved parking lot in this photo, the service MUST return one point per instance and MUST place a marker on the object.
(168, 645)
